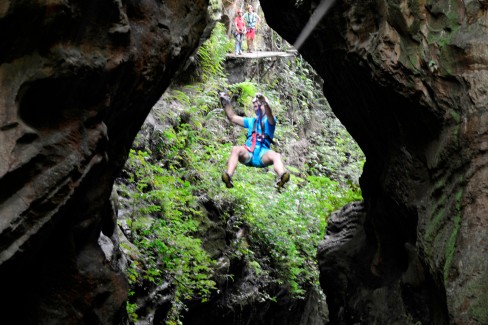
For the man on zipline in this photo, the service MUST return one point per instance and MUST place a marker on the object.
(260, 131)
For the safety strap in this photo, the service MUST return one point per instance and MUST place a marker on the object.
(253, 143)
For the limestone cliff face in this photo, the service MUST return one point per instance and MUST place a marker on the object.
(77, 79)
(408, 79)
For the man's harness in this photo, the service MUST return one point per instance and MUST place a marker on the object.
(258, 137)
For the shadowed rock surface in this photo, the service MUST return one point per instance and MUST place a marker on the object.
(408, 80)
(77, 79)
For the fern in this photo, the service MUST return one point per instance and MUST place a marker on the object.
(245, 90)
(212, 53)
(181, 97)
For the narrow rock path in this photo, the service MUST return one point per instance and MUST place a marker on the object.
(262, 54)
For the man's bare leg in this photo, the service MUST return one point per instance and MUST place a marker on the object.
(238, 154)
(272, 157)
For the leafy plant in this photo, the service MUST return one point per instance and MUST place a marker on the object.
(163, 223)
(246, 91)
(211, 54)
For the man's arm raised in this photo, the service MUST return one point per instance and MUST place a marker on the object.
(229, 111)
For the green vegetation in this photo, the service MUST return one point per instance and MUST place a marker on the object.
(211, 55)
(170, 178)
(162, 223)
(451, 244)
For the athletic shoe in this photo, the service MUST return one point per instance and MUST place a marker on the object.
(285, 177)
(227, 179)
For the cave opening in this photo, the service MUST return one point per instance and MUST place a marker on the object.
(259, 242)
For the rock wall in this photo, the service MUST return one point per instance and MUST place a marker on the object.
(77, 79)
(408, 80)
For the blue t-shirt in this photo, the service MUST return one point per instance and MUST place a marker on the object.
(268, 129)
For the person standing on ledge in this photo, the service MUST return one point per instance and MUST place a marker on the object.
(260, 131)
(252, 21)
(240, 30)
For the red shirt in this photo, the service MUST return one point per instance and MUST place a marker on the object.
(239, 24)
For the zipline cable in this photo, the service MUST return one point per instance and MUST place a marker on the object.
(317, 15)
